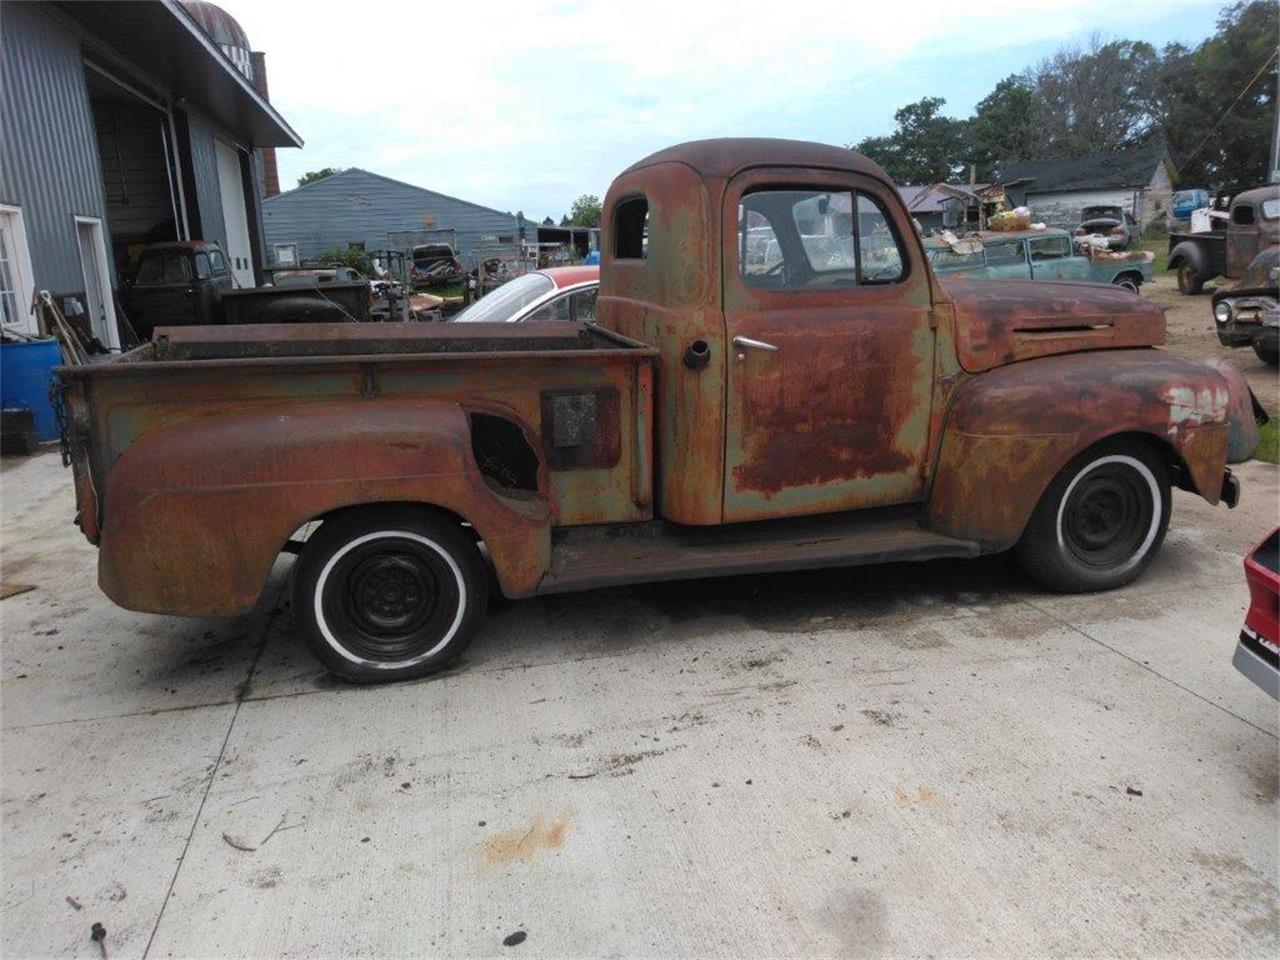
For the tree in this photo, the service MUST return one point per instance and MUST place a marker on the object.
(1096, 99)
(925, 148)
(1218, 102)
(548, 222)
(1006, 127)
(585, 212)
(314, 175)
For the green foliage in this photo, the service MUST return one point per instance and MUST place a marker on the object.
(314, 175)
(1268, 443)
(585, 212)
(926, 147)
(351, 257)
(1107, 97)
(1005, 126)
(1200, 84)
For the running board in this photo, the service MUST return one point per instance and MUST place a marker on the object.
(583, 558)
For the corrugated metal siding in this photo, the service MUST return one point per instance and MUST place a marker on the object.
(48, 152)
(360, 207)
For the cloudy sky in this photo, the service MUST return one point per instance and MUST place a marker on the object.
(526, 105)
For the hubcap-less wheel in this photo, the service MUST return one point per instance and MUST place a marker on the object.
(392, 597)
(1128, 284)
(1110, 514)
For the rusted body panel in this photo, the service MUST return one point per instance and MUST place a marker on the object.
(217, 460)
(1003, 321)
(1011, 430)
(222, 509)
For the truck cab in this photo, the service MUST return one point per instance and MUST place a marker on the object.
(1252, 226)
(177, 284)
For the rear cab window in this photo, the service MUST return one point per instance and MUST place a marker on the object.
(159, 269)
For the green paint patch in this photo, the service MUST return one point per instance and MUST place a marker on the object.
(1268, 443)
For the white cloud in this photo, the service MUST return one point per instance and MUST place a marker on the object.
(527, 104)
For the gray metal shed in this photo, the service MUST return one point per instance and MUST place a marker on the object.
(364, 208)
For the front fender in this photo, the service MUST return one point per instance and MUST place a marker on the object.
(1009, 431)
(196, 513)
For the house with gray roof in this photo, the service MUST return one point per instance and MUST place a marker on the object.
(1139, 181)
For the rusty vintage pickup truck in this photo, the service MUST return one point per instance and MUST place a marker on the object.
(776, 381)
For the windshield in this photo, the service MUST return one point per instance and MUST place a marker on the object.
(509, 299)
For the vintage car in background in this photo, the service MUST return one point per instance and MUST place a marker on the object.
(557, 293)
(431, 264)
(1114, 223)
(1258, 652)
(1035, 255)
(1247, 313)
(1252, 225)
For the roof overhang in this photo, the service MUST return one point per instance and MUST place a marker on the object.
(163, 40)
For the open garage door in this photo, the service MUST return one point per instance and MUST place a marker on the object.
(235, 217)
(143, 206)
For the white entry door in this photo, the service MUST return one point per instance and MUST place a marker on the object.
(97, 281)
(234, 215)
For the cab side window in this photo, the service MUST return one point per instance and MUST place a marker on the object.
(1049, 248)
(584, 305)
(1003, 254)
(806, 239)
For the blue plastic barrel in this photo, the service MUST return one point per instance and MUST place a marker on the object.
(25, 375)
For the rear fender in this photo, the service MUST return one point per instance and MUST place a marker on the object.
(195, 514)
(1011, 430)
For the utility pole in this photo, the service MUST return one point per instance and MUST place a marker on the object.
(1275, 134)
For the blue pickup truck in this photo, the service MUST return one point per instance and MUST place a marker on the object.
(1035, 255)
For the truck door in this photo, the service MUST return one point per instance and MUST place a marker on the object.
(830, 349)
(1244, 238)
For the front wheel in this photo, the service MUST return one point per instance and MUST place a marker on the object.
(389, 593)
(1268, 355)
(1101, 521)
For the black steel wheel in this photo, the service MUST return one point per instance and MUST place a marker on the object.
(1189, 281)
(389, 593)
(1268, 355)
(1102, 519)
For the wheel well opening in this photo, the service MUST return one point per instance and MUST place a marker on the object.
(503, 454)
(1166, 451)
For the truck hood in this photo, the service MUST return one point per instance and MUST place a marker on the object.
(1003, 321)
(1258, 279)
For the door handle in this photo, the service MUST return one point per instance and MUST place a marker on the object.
(746, 343)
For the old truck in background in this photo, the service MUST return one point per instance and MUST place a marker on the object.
(190, 284)
(1252, 225)
(1247, 312)
(730, 412)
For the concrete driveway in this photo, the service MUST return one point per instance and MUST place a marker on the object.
(927, 759)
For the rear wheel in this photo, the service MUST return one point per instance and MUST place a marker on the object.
(1189, 280)
(389, 593)
(1128, 281)
(1101, 521)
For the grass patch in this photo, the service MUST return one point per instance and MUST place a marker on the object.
(1160, 247)
(1268, 443)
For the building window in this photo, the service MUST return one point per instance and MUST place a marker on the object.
(16, 282)
(286, 254)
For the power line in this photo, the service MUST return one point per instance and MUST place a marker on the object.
(1230, 107)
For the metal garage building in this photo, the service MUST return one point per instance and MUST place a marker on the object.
(125, 124)
(373, 212)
